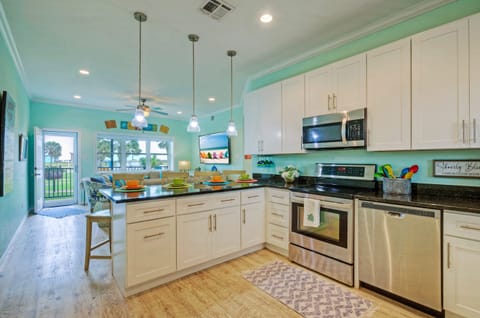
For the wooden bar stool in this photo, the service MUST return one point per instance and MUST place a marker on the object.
(102, 216)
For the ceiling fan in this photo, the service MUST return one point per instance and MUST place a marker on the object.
(146, 109)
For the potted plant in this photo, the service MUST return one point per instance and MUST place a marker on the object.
(289, 173)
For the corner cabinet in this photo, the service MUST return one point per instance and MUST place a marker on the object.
(293, 104)
(388, 97)
(461, 256)
(340, 86)
(474, 124)
(440, 85)
(252, 217)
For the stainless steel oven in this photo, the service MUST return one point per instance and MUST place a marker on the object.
(326, 247)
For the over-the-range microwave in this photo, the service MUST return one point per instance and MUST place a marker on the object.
(337, 130)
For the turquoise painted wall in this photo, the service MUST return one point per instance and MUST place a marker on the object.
(88, 122)
(218, 123)
(398, 159)
(13, 206)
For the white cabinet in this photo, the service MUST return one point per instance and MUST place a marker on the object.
(474, 124)
(278, 220)
(337, 87)
(263, 120)
(208, 227)
(440, 106)
(252, 217)
(461, 257)
(388, 97)
(151, 249)
(293, 104)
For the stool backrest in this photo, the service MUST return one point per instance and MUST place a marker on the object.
(232, 174)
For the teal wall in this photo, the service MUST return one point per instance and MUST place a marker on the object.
(88, 122)
(398, 159)
(218, 123)
(13, 206)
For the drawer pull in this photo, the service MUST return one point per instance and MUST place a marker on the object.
(253, 196)
(468, 227)
(210, 223)
(278, 237)
(277, 196)
(227, 200)
(277, 214)
(215, 222)
(244, 216)
(153, 211)
(153, 235)
(448, 255)
(196, 204)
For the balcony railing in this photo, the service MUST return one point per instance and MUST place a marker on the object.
(58, 183)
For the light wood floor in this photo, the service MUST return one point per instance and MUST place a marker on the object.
(43, 277)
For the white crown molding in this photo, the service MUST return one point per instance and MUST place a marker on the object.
(12, 48)
(369, 29)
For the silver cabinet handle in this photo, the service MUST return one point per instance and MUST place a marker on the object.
(277, 237)
(227, 200)
(448, 254)
(153, 235)
(215, 222)
(468, 227)
(328, 102)
(463, 130)
(244, 216)
(277, 214)
(153, 211)
(253, 196)
(395, 214)
(334, 99)
(195, 204)
(210, 223)
(475, 130)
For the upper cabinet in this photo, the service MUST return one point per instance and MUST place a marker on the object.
(388, 97)
(293, 103)
(474, 123)
(337, 87)
(440, 84)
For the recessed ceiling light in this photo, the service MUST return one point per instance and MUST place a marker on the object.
(211, 99)
(77, 96)
(266, 18)
(84, 72)
(179, 112)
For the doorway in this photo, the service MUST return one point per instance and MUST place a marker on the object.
(56, 168)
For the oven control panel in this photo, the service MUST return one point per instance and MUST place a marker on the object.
(346, 171)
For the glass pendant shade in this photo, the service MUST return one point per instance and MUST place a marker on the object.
(193, 125)
(231, 129)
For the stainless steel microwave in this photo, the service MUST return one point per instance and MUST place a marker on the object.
(337, 130)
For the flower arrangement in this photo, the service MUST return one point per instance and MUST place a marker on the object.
(289, 173)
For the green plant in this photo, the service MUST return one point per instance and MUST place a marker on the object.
(289, 173)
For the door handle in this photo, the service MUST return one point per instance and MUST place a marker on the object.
(328, 102)
(448, 254)
(244, 216)
(334, 99)
(344, 129)
(475, 130)
(463, 130)
(215, 222)
(395, 214)
(210, 223)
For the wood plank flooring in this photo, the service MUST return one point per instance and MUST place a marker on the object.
(43, 276)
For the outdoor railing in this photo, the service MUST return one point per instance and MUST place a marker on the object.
(58, 183)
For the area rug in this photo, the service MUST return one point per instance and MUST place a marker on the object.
(61, 211)
(307, 294)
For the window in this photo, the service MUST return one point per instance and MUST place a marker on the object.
(131, 153)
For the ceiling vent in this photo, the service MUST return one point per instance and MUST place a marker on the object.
(216, 9)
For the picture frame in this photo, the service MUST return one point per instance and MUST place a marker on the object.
(22, 147)
(456, 168)
(7, 143)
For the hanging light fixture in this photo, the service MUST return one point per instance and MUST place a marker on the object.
(193, 125)
(139, 120)
(231, 129)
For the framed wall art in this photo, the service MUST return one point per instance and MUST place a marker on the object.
(7, 142)
(468, 168)
(22, 148)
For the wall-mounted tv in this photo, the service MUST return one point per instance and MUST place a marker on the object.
(214, 148)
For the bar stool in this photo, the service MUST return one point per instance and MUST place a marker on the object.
(102, 216)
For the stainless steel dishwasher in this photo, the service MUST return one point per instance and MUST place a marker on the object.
(400, 253)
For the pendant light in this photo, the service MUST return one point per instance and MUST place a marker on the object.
(193, 125)
(139, 120)
(231, 129)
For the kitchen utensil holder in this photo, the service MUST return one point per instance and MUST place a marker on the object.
(397, 186)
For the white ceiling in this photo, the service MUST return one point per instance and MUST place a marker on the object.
(55, 39)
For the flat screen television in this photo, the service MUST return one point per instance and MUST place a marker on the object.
(214, 148)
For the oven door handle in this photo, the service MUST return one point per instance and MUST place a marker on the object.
(334, 205)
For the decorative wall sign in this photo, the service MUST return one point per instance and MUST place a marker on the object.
(456, 168)
(164, 129)
(112, 123)
(22, 148)
(7, 143)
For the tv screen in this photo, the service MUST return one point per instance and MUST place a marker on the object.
(214, 148)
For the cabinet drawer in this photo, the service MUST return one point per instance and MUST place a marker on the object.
(462, 225)
(252, 196)
(277, 235)
(279, 214)
(226, 199)
(149, 210)
(279, 196)
(195, 203)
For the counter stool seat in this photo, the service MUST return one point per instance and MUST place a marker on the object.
(103, 216)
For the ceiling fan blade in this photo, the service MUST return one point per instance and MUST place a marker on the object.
(124, 110)
(159, 112)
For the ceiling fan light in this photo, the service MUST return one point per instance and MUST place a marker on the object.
(232, 129)
(139, 123)
(146, 112)
(139, 115)
(193, 125)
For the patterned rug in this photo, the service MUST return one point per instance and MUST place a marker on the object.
(307, 294)
(62, 211)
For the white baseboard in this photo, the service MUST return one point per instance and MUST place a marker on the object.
(4, 257)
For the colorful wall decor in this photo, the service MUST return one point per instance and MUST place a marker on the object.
(112, 123)
(164, 129)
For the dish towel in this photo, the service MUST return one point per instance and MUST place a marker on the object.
(311, 212)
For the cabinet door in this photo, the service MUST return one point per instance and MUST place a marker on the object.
(461, 276)
(226, 229)
(440, 87)
(475, 80)
(388, 97)
(293, 104)
(318, 92)
(253, 224)
(349, 84)
(270, 120)
(151, 249)
(251, 125)
(194, 239)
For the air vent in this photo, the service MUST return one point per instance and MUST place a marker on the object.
(216, 9)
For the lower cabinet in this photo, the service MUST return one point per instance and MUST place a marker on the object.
(278, 220)
(461, 257)
(151, 249)
(252, 218)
